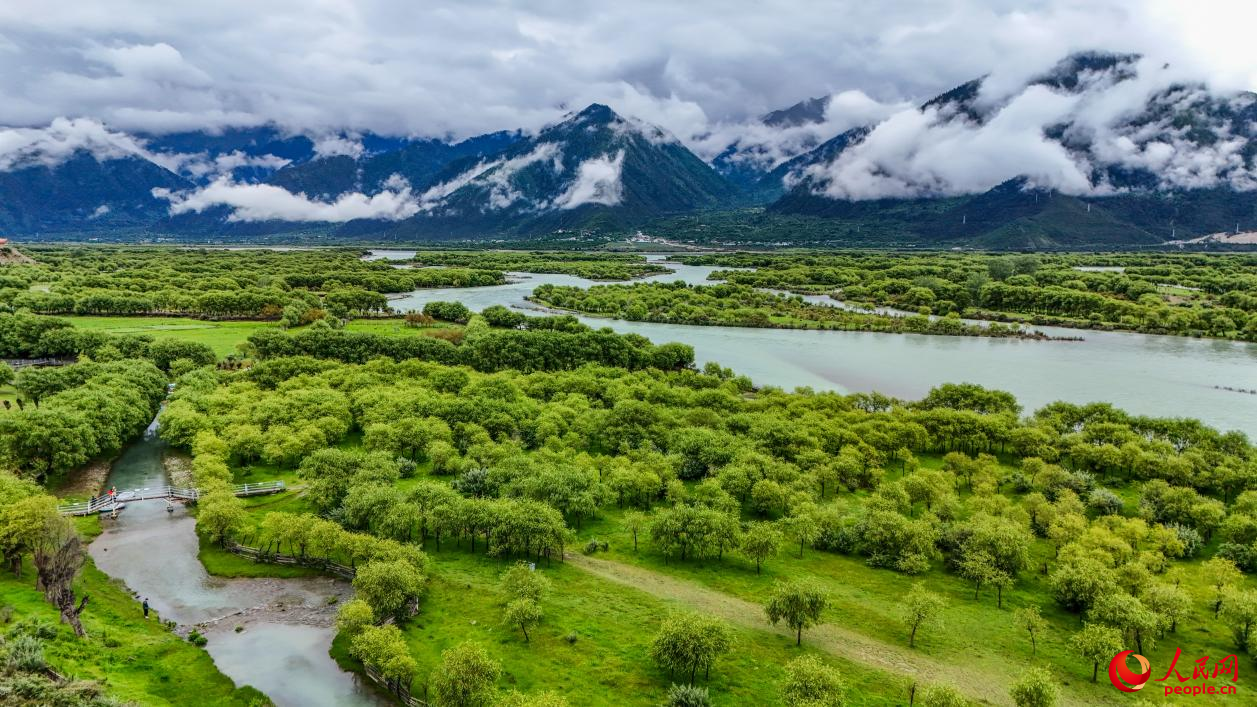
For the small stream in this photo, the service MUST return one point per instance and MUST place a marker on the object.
(287, 625)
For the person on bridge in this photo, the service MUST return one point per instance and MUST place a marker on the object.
(146, 608)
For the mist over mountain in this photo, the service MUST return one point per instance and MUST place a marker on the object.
(1100, 148)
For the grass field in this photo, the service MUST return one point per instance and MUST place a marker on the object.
(225, 336)
(138, 661)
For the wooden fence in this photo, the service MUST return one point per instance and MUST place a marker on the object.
(278, 558)
(403, 694)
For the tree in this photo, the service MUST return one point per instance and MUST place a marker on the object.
(1221, 574)
(221, 515)
(354, 616)
(942, 696)
(812, 683)
(798, 604)
(1169, 602)
(59, 556)
(634, 522)
(760, 542)
(1240, 613)
(521, 581)
(515, 698)
(523, 613)
(920, 607)
(688, 642)
(389, 587)
(6, 373)
(1036, 688)
(801, 527)
(1029, 620)
(465, 677)
(1097, 643)
(385, 648)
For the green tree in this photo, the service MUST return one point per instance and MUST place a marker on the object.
(1036, 688)
(521, 581)
(920, 607)
(1097, 643)
(687, 643)
(812, 683)
(385, 648)
(220, 515)
(354, 616)
(465, 677)
(798, 604)
(1239, 612)
(942, 696)
(522, 613)
(760, 542)
(390, 587)
(634, 522)
(1221, 574)
(1029, 619)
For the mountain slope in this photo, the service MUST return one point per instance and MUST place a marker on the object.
(1181, 162)
(419, 162)
(595, 168)
(83, 194)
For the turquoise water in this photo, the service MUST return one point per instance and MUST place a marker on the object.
(1162, 376)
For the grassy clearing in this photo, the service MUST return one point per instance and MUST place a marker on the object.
(224, 336)
(593, 645)
(975, 637)
(138, 661)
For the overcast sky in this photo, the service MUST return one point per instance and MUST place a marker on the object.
(462, 68)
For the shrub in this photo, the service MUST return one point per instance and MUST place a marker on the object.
(688, 696)
(197, 639)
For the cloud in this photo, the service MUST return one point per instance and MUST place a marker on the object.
(334, 145)
(597, 182)
(1127, 118)
(444, 68)
(61, 140)
(264, 202)
(494, 178)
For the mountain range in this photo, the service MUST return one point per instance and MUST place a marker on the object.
(1102, 150)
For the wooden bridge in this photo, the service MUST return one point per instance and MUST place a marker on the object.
(107, 503)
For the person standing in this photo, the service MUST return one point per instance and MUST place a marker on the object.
(146, 608)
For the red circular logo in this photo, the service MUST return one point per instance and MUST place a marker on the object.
(1121, 676)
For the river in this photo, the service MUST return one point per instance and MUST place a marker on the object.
(1164, 376)
(286, 624)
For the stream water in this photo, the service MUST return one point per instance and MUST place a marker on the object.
(286, 624)
(1165, 376)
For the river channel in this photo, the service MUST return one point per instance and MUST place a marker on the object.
(1164, 376)
(286, 625)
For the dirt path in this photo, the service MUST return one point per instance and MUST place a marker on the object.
(842, 642)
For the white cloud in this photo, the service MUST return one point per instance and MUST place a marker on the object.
(264, 202)
(335, 145)
(99, 211)
(494, 178)
(61, 140)
(597, 182)
(937, 152)
(438, 68)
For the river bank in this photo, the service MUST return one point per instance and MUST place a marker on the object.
(268, 632)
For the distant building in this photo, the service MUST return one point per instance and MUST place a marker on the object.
(4, 241)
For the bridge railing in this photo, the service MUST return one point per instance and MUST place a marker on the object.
(108, 503)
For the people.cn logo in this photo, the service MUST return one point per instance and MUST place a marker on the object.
(1123, 679)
